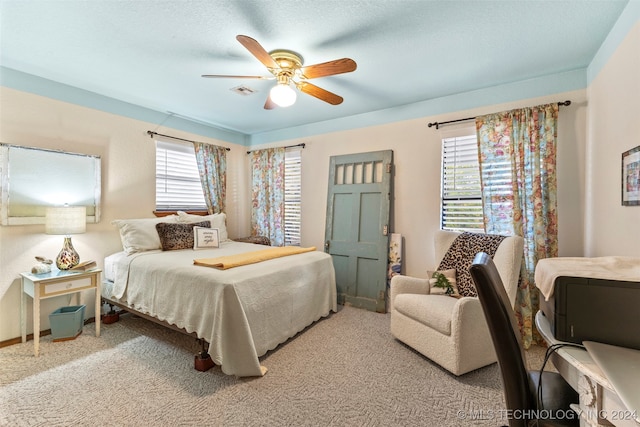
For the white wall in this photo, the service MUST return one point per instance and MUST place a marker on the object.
(128, 188)
(614, 127)
(417, 156)
(592, 221)
(128, 174)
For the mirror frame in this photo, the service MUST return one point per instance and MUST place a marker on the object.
(5, 175)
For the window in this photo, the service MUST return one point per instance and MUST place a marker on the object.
(461, 191)
(177, 179)
(292, 195)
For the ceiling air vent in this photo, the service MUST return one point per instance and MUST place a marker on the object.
(243, 90)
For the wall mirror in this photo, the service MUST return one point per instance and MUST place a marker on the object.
(35, 178)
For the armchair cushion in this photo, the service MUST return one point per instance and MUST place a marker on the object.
(439, 307)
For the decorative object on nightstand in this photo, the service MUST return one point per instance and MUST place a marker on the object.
(65, 221)
(43, 266)
(85, 266)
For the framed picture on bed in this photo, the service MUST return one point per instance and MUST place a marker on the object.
(205, 238)
(631, 177)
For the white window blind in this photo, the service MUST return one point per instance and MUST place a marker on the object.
(461, 190)
(292, 196)
(177, 179)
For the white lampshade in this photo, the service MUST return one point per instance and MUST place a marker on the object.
(283, 95)
(66, 220)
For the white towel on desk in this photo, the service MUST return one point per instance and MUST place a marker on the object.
(609, 268)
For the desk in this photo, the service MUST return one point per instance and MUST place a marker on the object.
(53, 284)
(599, 403)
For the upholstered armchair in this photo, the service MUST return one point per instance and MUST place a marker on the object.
(451, 331)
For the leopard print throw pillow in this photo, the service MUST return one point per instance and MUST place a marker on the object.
(178, 236)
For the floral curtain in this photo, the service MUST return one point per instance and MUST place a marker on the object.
(212, 165)
(267, 195)
(517, 154)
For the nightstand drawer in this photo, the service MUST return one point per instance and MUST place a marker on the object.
(66, 286)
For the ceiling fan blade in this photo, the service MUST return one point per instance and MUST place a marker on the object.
(338, 66)
(319, 93)
(257, 50)
(269, 104)
(216, 76)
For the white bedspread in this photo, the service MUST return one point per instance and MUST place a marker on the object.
(610, 268)
(242, 312)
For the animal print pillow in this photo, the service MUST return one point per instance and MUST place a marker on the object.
(178, 236)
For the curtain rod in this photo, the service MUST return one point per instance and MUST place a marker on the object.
(151, 134)
(437, 124)
(288, 146)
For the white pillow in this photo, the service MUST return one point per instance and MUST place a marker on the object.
(218, 221)
(450, 275)
(140, 235)
(204, 238)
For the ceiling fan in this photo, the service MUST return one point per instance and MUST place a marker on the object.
(287, 68)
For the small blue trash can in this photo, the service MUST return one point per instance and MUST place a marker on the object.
(67, 322)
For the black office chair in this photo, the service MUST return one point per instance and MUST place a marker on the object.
(527, 405)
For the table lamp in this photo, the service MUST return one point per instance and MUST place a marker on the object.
(65, 221)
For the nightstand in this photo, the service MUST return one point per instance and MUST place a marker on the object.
(53, 284)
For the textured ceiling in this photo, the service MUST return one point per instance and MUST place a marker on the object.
(151, 53)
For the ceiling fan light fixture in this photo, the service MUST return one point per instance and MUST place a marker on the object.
(283, 95)
(287, 67)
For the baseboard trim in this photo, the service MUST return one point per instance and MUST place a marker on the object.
(44, 333)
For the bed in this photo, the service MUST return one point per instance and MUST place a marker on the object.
(242, 312)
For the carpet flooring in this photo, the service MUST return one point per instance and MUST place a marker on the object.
(345, 370)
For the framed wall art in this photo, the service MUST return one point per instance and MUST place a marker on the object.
(631, 177)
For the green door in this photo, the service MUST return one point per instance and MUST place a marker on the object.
(357, 226)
